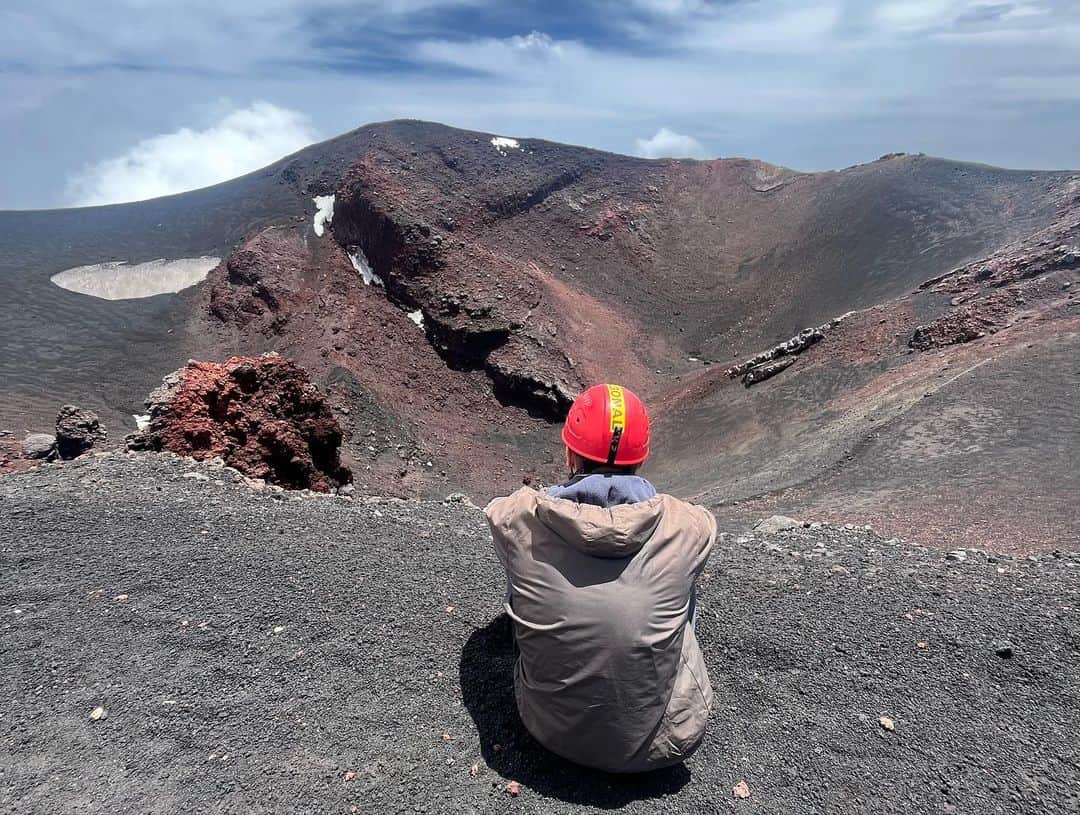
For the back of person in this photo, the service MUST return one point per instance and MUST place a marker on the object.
(601, 575)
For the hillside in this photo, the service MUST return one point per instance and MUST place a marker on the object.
(273, 651)
(513, 272)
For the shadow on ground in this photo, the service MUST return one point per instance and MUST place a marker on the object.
(487, 687)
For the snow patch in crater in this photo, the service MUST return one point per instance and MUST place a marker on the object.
(503, 144)
(417, 317)
(324, 213)
(120, 280)
(360, 263)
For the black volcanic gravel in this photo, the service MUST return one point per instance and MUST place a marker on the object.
(269, 652)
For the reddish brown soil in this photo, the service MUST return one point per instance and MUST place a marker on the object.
(12, 459)
(968, 441)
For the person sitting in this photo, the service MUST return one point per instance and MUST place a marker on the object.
(601, 575)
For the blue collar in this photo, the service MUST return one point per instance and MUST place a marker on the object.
(604, 489)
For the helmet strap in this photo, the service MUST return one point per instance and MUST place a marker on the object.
(613, 450)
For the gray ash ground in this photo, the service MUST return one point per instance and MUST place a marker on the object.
(273, 652)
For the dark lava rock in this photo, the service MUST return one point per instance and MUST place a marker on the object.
(769, 369)
(757, 368)
(39, 445)
(77, 431)
(970, 322)
(260, 415)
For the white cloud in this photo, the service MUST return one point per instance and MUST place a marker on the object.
(805, 83)
(669, 144)
(535, 43)
(187, 159)
(916, 14)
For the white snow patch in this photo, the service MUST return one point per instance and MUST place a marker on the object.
(503, 144)
(360, 263)
(324, 213)
(142, 421)
(417, 317)
(119, 280)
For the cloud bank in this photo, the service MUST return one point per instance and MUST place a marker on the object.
(669, 144)
(244, 140)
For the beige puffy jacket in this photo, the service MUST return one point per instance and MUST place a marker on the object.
(610, 674)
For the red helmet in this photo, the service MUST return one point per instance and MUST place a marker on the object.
(608, 423)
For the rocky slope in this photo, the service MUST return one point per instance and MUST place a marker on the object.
(941, 414)
(176, 642)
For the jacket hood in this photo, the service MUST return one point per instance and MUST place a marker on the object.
(613, 532)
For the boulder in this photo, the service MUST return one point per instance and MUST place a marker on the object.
(39, 445)
(766, 370)
(259, 415)
(77, 431)
(776, 523)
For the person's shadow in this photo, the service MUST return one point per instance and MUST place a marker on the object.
(487, 688)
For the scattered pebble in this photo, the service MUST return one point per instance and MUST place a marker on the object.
(887, 723)
(98, 713)
(741, 790)
(514, 788)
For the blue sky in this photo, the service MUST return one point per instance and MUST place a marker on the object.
(125, 99)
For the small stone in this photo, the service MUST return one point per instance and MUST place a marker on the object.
(887, 723)
(349, 775)
(514, 789)
(776, 523)
(956, 555)
(98, 713)
(838, 569)
(120, 598)
(346, 490)
(77, 430)
(38, 445)
(278, 629)
(741, 790)
(1004, 649)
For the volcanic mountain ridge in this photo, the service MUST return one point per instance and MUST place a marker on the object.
(451, 291)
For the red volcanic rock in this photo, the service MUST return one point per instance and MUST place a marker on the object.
(260, 415)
